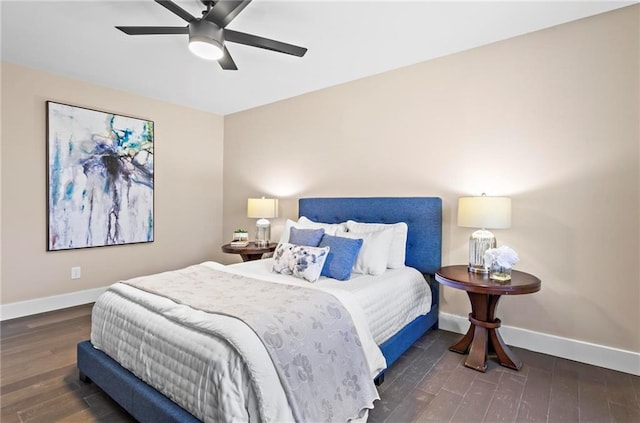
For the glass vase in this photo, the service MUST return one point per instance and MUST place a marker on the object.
(499, 273)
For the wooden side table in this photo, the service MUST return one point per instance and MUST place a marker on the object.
(483, 337)
(251, 251)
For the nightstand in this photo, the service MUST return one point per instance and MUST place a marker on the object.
(483, 337)
(251, 251)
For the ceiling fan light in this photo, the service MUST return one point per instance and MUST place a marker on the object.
(206, 48)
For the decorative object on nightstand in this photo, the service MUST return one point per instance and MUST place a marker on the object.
(240, 238)
(500, 261)
(483, 212)
(262, 209)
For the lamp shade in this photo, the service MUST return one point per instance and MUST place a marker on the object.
(262, 208)
(484, 212)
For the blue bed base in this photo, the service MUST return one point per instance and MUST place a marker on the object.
(140, 400)
(423, 215)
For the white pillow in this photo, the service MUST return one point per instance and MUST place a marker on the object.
(300, 261)
(330, 228)
(373, 255)
(397, 252)
(305, 223)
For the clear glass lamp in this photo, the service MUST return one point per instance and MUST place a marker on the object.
(484, 213)
(262, 209)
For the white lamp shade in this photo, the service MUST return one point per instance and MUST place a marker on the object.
(261, 208)
(484, 212)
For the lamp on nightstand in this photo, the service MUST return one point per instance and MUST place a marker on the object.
(483, 212)
(262, 209)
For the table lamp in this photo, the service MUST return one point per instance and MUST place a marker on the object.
(483, 212)
(262, 209)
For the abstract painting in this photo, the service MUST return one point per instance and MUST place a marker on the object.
(100, 178)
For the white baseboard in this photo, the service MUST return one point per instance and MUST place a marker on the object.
(42, 305)
(584, 352)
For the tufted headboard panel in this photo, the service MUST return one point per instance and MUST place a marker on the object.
(423, 215)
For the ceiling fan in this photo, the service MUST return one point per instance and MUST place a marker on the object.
(208, 34)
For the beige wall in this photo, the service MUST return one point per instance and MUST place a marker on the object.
(188, 188)
(549, 119)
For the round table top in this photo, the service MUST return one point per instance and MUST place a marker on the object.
(252, 248)
(459, 277)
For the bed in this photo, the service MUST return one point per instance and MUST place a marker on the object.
(423, 249)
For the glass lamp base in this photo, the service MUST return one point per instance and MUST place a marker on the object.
(263, 233)
(478, 269)
(479, 242)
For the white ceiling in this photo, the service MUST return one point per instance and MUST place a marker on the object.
(347, 40)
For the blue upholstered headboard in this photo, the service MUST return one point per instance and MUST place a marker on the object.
(423, 215)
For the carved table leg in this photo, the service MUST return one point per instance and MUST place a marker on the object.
(483, 337)
(477, 358)
(462, 346)
(506, 357)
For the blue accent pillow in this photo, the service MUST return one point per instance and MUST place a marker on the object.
(343, 253)
(306, 237)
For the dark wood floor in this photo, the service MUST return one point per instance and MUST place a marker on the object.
(430, 384)
(39, 383)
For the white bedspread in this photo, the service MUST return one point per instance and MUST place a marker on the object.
(200, 372)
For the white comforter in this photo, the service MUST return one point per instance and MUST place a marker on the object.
(200, 372)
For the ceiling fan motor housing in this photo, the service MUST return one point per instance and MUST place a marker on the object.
(205, 31)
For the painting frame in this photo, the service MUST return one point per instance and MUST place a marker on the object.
(100, 178)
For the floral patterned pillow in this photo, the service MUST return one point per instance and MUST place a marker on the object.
(300, 261)
(281, 258)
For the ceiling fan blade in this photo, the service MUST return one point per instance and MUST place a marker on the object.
(153, 30)
(174, 8)
(260, 42)
(227, 62)
(225, 11)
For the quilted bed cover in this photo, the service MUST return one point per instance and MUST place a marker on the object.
(229, 377)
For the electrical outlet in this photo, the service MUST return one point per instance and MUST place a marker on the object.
(75, 273)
